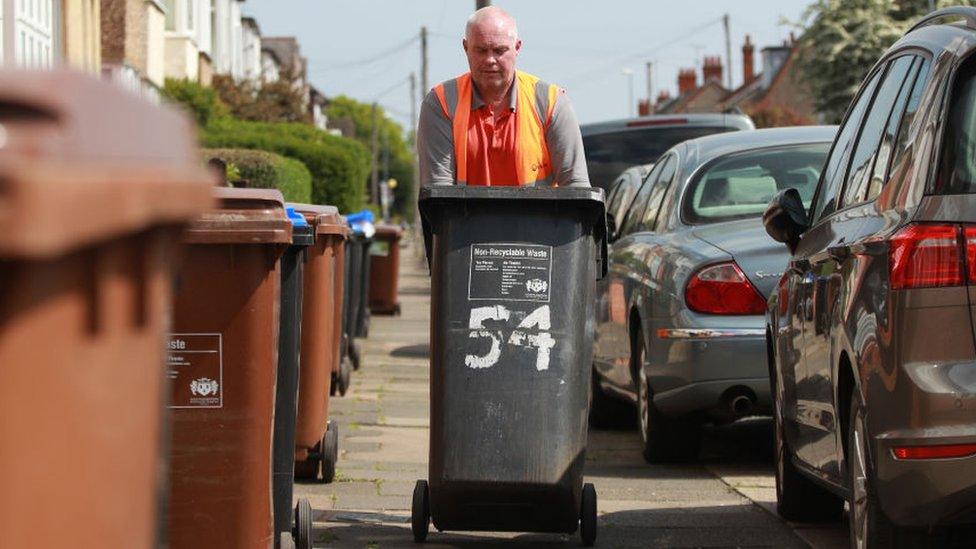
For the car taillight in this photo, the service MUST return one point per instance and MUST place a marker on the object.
(941, 451)
(926, 256)
(970, 234)
(723, 289)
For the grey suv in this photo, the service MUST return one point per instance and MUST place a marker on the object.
(871, 329)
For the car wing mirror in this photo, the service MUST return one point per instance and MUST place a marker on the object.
(785, 218)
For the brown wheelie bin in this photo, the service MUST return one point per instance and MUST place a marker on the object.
(384, 270)
(89, 225)
(342, 363)
(223, 360)
(317, 438)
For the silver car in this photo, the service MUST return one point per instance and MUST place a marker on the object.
(680, 317)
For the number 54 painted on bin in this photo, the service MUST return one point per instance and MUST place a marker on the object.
(538, 321)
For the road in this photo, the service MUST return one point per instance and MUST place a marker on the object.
(724, 499)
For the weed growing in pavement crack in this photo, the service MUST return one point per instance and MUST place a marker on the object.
(379, 484)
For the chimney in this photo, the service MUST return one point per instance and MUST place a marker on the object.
(748, 69)
(687, 81)
(643, 107)
(662, 97)
(712, 69)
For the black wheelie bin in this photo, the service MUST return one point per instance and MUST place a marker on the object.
(513, 278)
(293, 526)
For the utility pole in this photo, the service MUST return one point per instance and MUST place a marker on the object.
(728, 52)
(374, 187)
(478, 4)
(650, 89)
(423, 62)
(417, 232)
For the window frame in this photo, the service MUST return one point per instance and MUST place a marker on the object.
(881, 66)
(655, 171)
(643, 226)
(859, 200)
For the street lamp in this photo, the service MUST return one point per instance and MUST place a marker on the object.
(630, 90)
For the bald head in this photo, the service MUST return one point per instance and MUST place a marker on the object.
(491, 19)
(491, 44)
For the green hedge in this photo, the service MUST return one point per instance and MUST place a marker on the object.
(265, 170)
(339, 166)
(200, 101)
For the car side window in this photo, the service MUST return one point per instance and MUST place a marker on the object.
(883, 167)
(891, 97)
(825, 201)
(650, 214)
(636, 208)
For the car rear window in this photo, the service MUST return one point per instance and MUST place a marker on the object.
(608, 154)
(740, 185)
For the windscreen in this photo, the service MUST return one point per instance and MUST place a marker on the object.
(608, 154)
(741, 185)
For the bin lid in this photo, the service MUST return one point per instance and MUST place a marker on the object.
(73, 175)
(243, 216)
(389, 232)
(436, 198)
(326, 219)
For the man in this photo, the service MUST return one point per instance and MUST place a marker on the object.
(496, 125)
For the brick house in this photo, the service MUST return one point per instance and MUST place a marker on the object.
(776, 96)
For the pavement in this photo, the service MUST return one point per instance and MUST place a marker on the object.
(724, 499)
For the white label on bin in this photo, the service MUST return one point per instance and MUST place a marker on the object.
(531, 332)
(196, 371)
(510, 272)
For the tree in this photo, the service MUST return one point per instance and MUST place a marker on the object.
(280, 101)
(844, 39)
(392, 142)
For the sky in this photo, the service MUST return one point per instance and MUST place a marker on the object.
(596, 50)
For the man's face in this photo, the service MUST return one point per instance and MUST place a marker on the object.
(491, 55)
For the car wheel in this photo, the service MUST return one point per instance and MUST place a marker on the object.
(663, 439)
(607, 412)
(869, 527)
(797, 497)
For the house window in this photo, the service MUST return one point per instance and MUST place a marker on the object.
(170, 14)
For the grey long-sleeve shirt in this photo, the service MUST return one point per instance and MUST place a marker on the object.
(435, 142)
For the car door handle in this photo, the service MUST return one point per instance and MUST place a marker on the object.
(839, 252)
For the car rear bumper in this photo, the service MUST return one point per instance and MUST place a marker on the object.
(712, 397)
(917, 492)
(702, 369)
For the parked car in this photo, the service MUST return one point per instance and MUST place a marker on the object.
(680, 315)
(621, 192)
(870, 331)
(612, 147)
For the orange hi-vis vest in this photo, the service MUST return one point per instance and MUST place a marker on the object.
(535, 101)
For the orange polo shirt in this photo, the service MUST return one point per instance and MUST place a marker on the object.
(491, 143)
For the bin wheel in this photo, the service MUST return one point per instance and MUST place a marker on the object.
(420, 512)
(330, 452)
(356, 354)
(303, 525)
(334, 387)
(345, 376)
(588, 515)
(396, 310)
